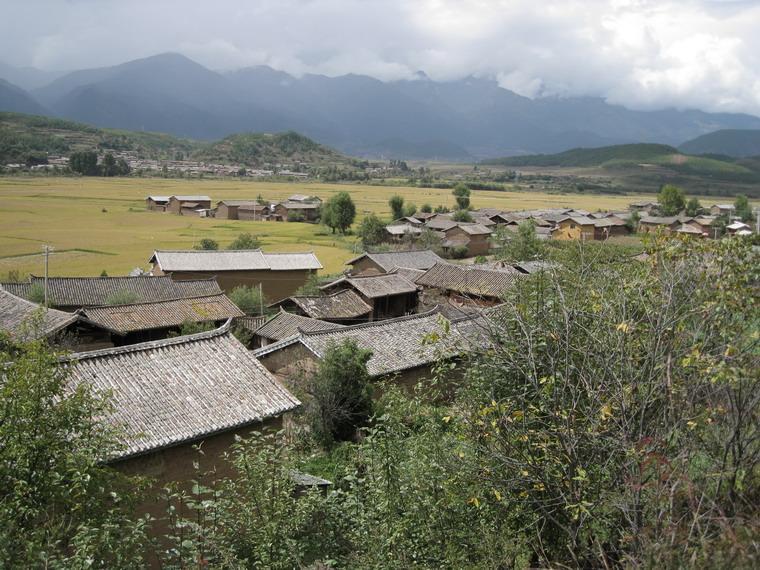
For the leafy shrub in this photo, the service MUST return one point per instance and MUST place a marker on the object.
(245, 241)
(207, 244)
(123, 297)
(249, 300)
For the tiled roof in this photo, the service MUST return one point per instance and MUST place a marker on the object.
(442, 224)
(239, 203)
(300, 205)
(474, 229)
(580, 220)
(531, 267)
(91, 291)
(659, 220)
(687, 229)
(172, 391)
(608, 222)
(396, 344)
(469, 280)
(411, 274)
(303, 198)
(19, 318)
(284, 325)
(252, 323)
(233, 260)
(344, 304)
(192, 198)
(123, 319)
(388, 261)
(375, 286)
(158, 198)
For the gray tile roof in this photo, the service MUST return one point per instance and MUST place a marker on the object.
(375, 286)
(344, 304)
(252, 323)
(239, 203)
(284, 325)
(233, 260)
(388, 261)
(25, 320)
(470, 280)
(396, 344)
(172, 391)
(531, 267)
(90, 291)
(300, 205)
(123, 319)
(474, 229)
(402, 229)
(192, 198)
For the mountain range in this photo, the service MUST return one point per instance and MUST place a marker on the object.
(359, 115)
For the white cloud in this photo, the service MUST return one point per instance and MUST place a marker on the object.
(640, 53)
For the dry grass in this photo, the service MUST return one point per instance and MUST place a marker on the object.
(97, 224)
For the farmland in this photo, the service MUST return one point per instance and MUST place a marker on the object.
(97, 224)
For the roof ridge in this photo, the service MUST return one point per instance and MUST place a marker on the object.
(435, 310)
(149, 345)
(105, 277)
(154, 302)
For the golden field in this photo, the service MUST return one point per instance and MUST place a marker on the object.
(97, 224)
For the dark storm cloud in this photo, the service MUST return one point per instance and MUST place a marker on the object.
(641, 53)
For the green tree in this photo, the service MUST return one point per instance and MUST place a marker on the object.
(522, 245)
(207, 244)
(397, 206)
(245, 241)
(109, 166)
(410, 209)
(60, 506)
(693, 207)
(671, 200)
(742, 209)
(371, 230)
(84, 162)
(462, 196)
(340, 394)
(338, 212)
(123, 297)
(461, 216)
(426, 208)
(249, 300)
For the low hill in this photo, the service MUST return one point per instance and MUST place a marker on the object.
(22, 136)
(257, 149)
(589, 156)
(15, 99)
(728, 142)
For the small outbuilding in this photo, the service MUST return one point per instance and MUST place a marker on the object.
(389, 294)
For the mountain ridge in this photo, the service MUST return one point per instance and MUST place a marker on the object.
(358, 114)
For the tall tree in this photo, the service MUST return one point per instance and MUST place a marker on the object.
(339, 212)
(671, 199)
(84, 162)
(462, 195)
(371, 230)
(742, 209)
(397, 206)
(693, 207)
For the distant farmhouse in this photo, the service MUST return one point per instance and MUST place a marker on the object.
(280, 274)
(188, 205)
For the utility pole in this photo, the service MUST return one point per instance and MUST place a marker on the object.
(46, 247)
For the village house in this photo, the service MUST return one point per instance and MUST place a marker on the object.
(72, 293)
(240, 210)
(140, 322)
(385, 262)
(474, 238)
(188, 205)
(722, 209)
(157, 203)
(399, 350)
(610, 226)
(24, 320)
(400, 233)
(170, 395)
(285, 325)
(738, 228)
(644, 206)
(305, 198)
(389, 294)
(649, 224)
(345, 307)
(574, 228)
(689, 229)
(465, 285)
(278, 274)
(296, 211)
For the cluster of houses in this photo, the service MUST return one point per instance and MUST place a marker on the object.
(171, 392)
(296, 208)
(474, 237)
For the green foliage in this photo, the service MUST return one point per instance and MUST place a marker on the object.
(340, 395)
(192, 327)
(426, 208)
(461, 194)
(123, 297)
(458, 252)
(396, 203)
(296, 216)
(60, 507)
(113, 167)
(338, 212)
(442, 209)
(693, 207)
(522, 245)
(671, 199)
(632, 223)
(410, 210)
(742, 209)
(85, 163)
(461, 216)
(207, 244)
(371, 231)
(249, 300)
(245, 241)
(37, 294)
(591, 156)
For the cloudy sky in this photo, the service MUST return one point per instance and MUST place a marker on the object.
(640, 53)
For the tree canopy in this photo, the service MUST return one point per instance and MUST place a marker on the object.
(671, 199)
(339, 212)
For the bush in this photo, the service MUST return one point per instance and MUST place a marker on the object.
(371, 230)
(458, 252)
(207, 244)
(245, 241)
(461, 216)
(123, 297)
(249, 300)
(295, 216)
